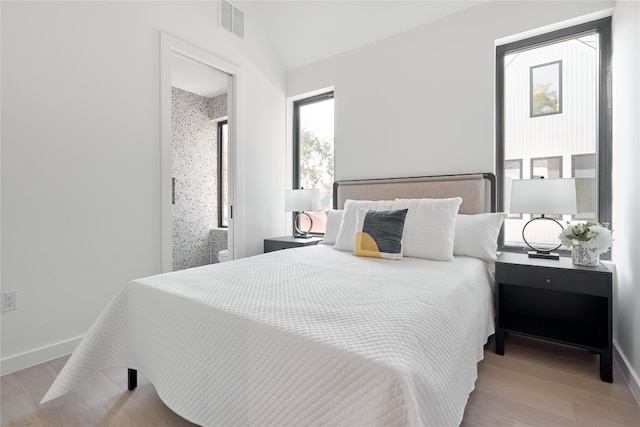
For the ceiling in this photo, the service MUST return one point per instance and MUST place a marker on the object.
(306, 31)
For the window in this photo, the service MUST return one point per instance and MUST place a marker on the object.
(512, 170)
(223, 174)
(553, 115)
(583, 169)
(545, 93)
(546, 167)
(313, 153)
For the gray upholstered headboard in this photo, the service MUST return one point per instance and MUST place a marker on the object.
(478, 191)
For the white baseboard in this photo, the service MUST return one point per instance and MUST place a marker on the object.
(629, 374)
(35, 357)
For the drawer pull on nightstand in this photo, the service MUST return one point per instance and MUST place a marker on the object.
(548, 280)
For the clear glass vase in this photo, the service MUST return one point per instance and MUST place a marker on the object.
(585, 256)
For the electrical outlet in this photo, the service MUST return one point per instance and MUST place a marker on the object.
(10, 301)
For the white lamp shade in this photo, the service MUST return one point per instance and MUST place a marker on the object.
(544, 196)
(302, 200)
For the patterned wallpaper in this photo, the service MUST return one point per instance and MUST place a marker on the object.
(194, 166)
(218, 106)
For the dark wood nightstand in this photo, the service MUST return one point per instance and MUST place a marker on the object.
(555, 301)
(286, 242)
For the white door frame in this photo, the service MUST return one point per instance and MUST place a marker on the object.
(168, 46)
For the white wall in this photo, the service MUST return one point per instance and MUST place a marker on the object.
(81, 155)
(626, 184)
(404, 104)
(422, 103)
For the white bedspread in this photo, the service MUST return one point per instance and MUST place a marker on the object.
(301, 337)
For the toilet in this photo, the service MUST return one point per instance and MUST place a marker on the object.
(223, 255)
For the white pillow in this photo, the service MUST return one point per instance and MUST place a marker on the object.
(430, 227)
(477, 235)
(334, 219)
(347, 234)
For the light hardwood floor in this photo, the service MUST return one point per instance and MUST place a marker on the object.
(533, 384)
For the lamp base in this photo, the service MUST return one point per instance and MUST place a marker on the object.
(302, 235)
(544, 255)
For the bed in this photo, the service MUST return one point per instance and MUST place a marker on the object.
(308, 336)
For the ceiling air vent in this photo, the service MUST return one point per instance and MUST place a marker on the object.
(231, 19)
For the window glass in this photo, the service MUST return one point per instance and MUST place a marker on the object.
(552, 120)
(583, 169)
(512, 170)
(313, 148)
(545, 94)
(546, 167)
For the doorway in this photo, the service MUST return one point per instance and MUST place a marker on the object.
(198, 113)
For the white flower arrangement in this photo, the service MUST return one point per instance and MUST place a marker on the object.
(589, 235)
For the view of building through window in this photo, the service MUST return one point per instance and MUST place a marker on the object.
(550, 126)
(314, 144)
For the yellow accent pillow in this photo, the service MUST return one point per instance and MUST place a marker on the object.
(379, 233)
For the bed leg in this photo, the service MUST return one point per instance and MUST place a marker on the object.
(132, 379)
(500, 342)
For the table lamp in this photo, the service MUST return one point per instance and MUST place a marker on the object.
(544, 197)
(301, 201)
